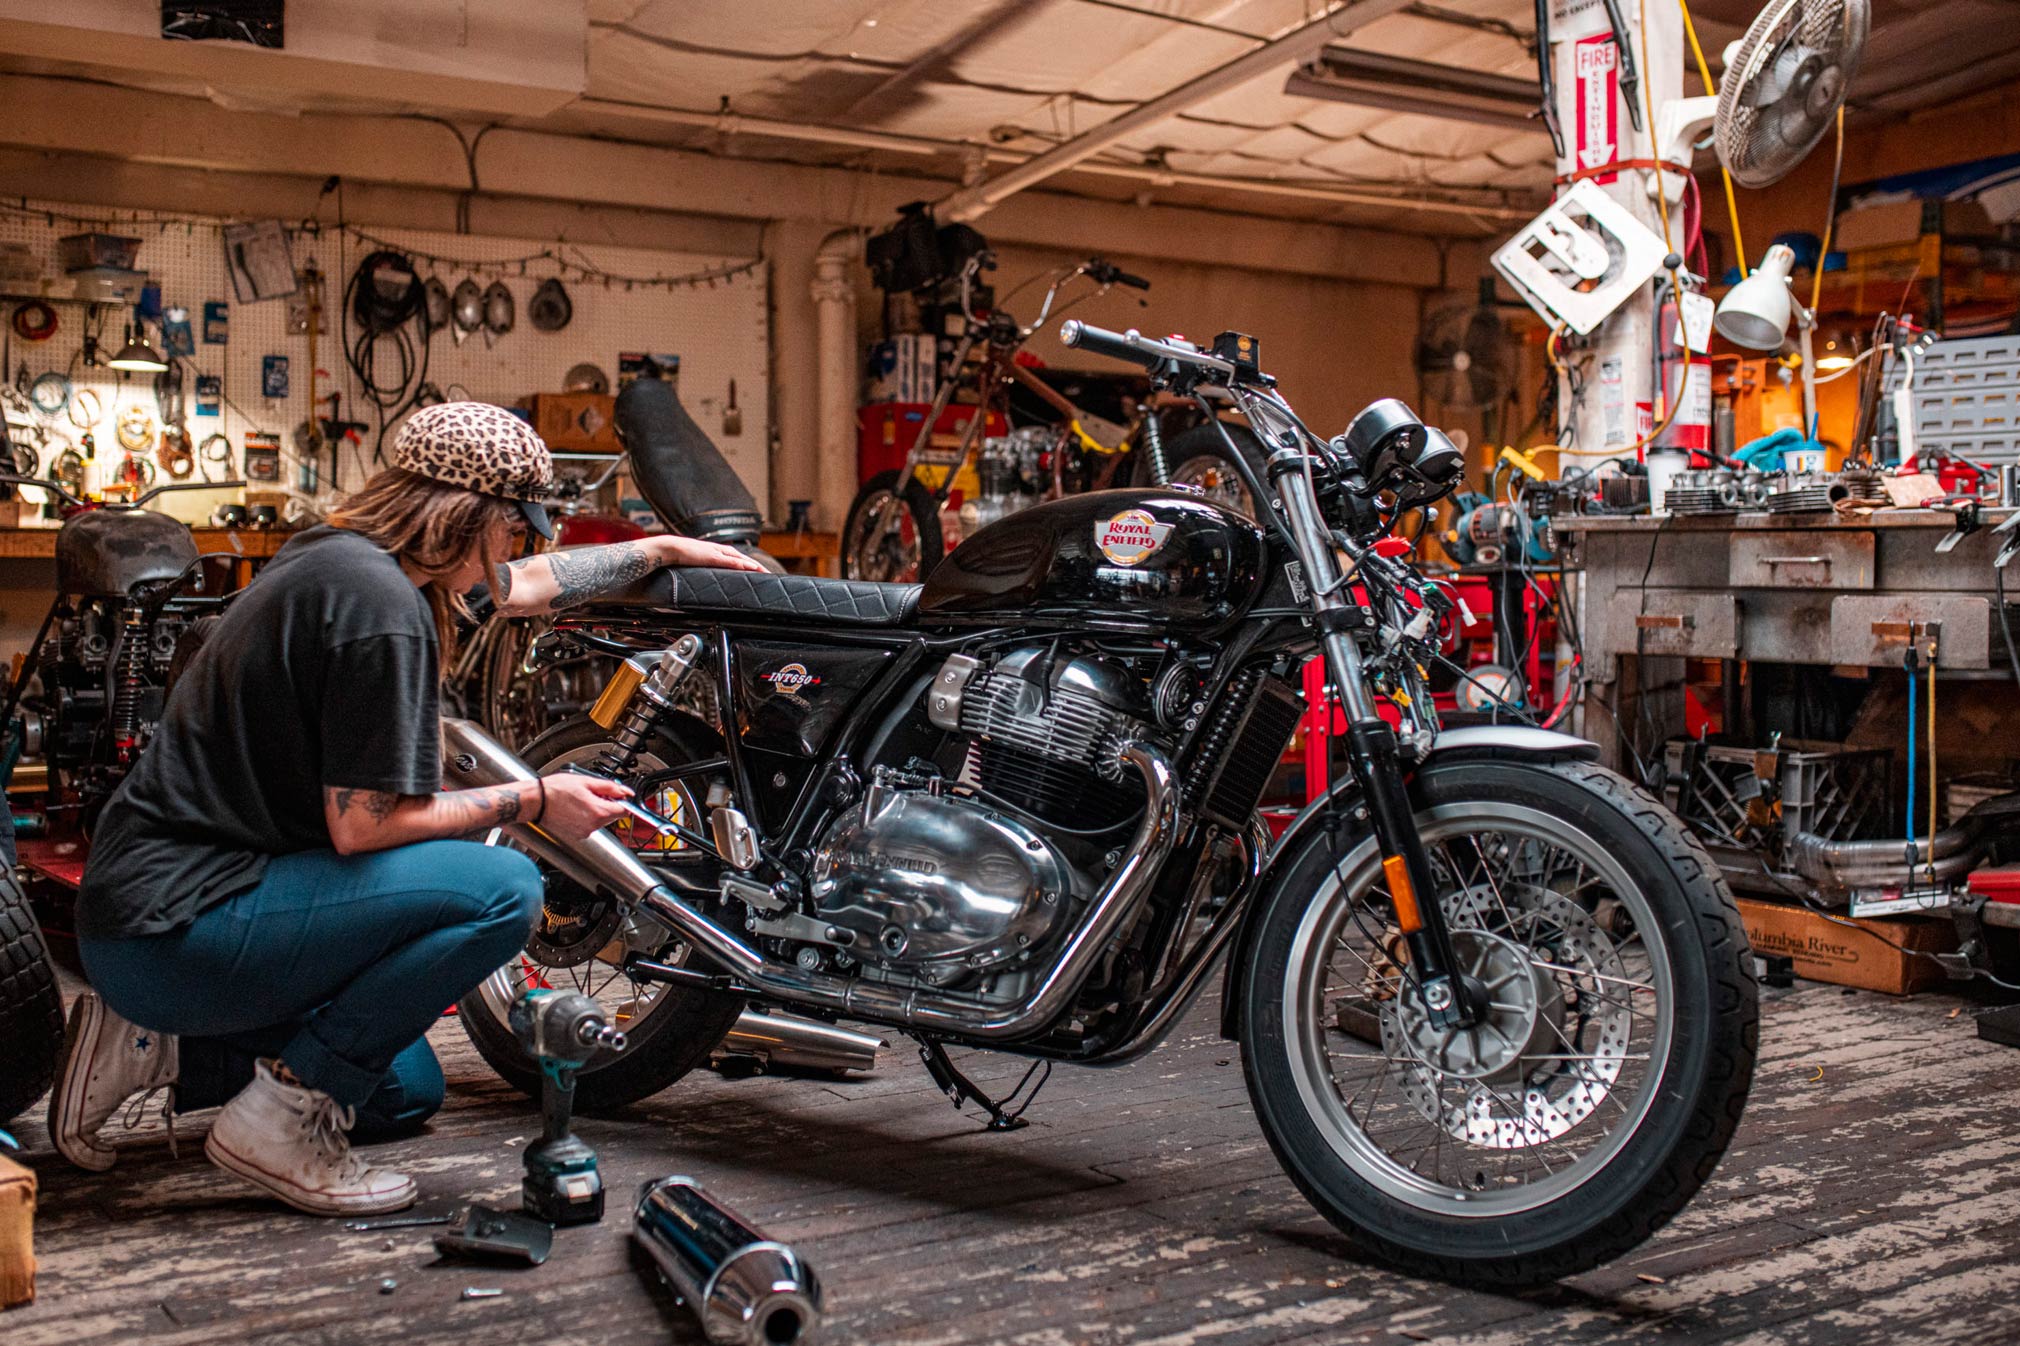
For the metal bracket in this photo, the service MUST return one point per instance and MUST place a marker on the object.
(1967, 523)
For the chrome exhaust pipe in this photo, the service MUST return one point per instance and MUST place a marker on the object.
(472, 758)
(747, 1289)
(775, 1040)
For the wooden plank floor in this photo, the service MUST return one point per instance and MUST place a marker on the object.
(1873, 1196)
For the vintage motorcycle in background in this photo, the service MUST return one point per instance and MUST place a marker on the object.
(1496, 1012)
(1025, 440)
(85, 701)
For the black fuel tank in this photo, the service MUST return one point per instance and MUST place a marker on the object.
(1141, 559)
(105, 552)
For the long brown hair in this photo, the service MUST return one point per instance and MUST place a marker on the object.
(433, 527)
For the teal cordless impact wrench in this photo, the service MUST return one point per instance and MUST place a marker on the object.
(561, 1030)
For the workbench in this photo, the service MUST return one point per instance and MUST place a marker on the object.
(1847, 593)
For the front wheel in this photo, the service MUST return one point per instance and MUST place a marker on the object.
(1606, 1078)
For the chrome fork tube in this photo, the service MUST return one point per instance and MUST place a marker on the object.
(472, 757)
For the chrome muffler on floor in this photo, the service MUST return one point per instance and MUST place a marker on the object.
(747, 1290)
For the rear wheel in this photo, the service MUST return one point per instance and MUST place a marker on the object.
(891, 535)
(31, 1007)
(1603, 1084)
(583, 938)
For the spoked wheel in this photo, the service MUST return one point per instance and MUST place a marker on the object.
(583, 940)
(1603, 1082)
(520, 706)
(1199, 459)
(891, 535)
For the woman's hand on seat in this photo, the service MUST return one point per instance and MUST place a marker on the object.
(578, 805)
(673, 550)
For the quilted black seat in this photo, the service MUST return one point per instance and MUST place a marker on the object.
(796, 597)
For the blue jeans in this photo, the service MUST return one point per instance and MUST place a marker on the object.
(336, 964)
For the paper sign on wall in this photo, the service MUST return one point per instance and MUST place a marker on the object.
(1598, 104)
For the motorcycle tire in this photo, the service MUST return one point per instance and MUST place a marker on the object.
(683, 1026)
(31, 1006)
(1198, 457)
(924, 517)
(1694, 1075)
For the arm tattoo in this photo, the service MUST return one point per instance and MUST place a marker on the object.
(377, 803)
(580, 576)
(501, 586)
(478, 811)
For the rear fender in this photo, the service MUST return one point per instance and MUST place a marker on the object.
(1453, 747)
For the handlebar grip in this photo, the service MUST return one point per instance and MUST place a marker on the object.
(1132, 281)
(1101, 341)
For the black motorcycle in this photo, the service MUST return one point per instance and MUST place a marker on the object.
(1496, 1011)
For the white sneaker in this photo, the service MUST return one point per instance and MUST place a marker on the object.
(106, 1061)
(290, 1141)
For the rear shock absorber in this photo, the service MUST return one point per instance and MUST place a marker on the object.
(128, 664)
(637, 696)
(1153, 450)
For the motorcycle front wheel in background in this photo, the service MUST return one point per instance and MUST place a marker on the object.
(1605, 1079)
(583, 939)
(891, 536)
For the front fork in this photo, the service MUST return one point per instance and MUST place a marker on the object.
(1451, 999)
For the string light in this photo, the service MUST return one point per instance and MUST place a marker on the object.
(577, 266)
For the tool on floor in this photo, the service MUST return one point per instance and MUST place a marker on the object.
(747, 1290)
(406, 1219)
(561, 1030)
(482, 1232)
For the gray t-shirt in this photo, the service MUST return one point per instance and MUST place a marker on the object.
(322, 673)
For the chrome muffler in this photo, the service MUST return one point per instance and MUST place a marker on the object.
(771, 1041)
(471, 758)
(747, 1290)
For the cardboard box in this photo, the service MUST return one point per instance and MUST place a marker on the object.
(577, 422)
(17, 1234)
(1824, 950)
(1892, 223)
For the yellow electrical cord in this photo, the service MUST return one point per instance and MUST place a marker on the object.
(1830, 217)
(1704, 74)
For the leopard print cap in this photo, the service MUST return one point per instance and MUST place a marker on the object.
(477, 446)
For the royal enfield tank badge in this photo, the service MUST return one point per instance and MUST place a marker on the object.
(1131, 537)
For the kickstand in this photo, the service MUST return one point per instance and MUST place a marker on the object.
(964, 1090)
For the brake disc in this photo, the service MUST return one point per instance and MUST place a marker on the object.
(575, 925)
(1505, 1084)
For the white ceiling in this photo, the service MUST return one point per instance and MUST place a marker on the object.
(958, 77)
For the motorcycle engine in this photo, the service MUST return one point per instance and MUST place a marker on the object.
(945, 885)
(1043, 731)
(923, 880)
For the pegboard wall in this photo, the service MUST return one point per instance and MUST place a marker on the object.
(712, 312)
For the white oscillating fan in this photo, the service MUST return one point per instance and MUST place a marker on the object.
(1783, 84)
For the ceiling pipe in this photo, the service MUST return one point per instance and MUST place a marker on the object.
(971, 202)
(926, 146)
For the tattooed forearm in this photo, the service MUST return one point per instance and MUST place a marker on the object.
(478, 811)
(581, 575)
(501, 586)
(377, 804)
